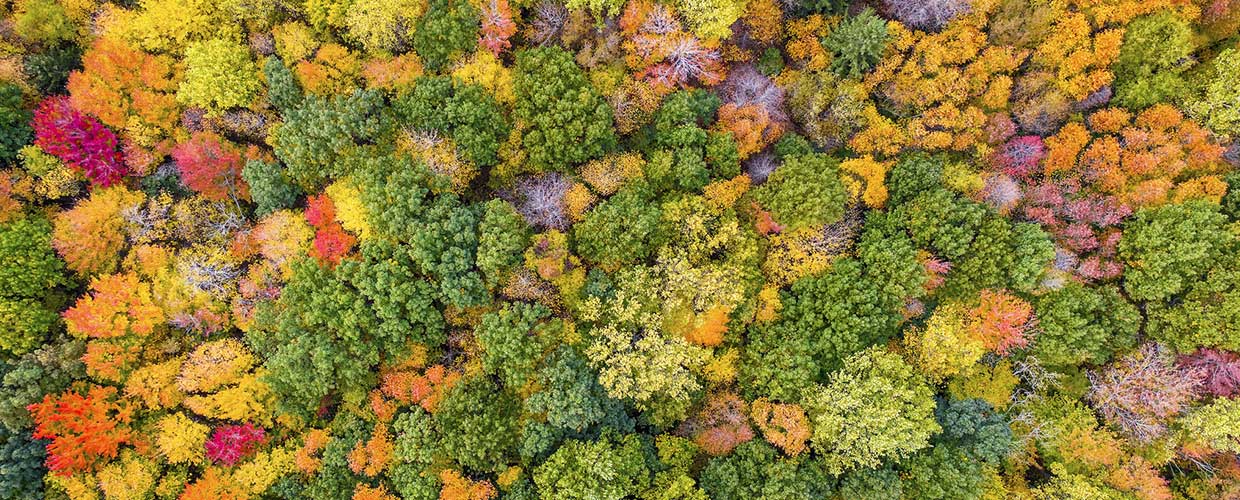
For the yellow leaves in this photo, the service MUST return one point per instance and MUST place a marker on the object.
(179, 439)
(294, 41)
(721, 195)
(132, 477)
(155, 385)
(249, 400)
(213, 365)
(259, 473)
(349, 210)
(794, 255)
(992, 384)
(944, 347)
(488, 71)
(90, 236)
(804, 46)
(458, 487)
(608, 174)
(866, 179)
(1063, 148)
(441, 157)
(578, 200)
(720, 369)
(768, 304)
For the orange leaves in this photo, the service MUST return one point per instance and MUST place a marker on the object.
(118, 81)
(366, 492)
(118, 305)
(84, 430)
(713, 324)
(458, 487)
(334, 70)
(372, 456)
(751, 126)
(784, 425)
(306, 459)
(91, 235)
(425, 389)
(331, 242)
(1001, 321)
(721, 425)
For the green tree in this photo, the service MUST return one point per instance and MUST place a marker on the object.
(15, 131)
(621, 230)
(48, 369)
(1157, 49)
(502, 238)
(465, 112)
(320, 133)
(570, 397)
(857, 44)
(611, 468)
(415, 449)
(477, 424)
(283, 92)
(1080, 324)
(1167, 248)
(756, 470)
(1207, 314)
(943, 473)
(564, 120)
(270, 187)
(1216, 425)
(30, 271)
(973, 427)
(447, 31)
(439, 233)
(875, 408)
(514, 340)
(804, 192)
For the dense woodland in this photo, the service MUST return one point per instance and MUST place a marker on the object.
(609, 249)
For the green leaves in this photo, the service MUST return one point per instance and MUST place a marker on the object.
(608, 469)
(805, 192)
(876, 408)
(1167, 248)
(565, 120)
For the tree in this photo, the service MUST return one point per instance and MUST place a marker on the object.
(943, 472)
(974, 428)
(502, 238)
(804, 193)
(477, 424)
(318, 134)
(91, 236)
(465, 112)
(611, 468)
(14, 122)
(211, 166)
(621, 230)
(1080, 324)
(1168, 248)
(783, 425)
(514, 340)
(23, 458)
(857, 44)
(1142, 391)
(446, 32)
(1220, 370)
(1151, 59)
(269, 186)
(219, 75)
(1210, 107)
(926, 15)
(381, 26)
(1217, 425)
(564, 120)
(48, 369)
(119, 82)
(79, 141)
(875, 408)
(85, 429)
(571, 397)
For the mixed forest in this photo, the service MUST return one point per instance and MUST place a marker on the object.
(619, 249)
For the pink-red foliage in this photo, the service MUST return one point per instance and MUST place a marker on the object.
(1220, 370)
(497, 26)
(721, 425)
(78, 140)
(1019, 157)
(1142, 391)
(211, 166)
(231, 443)
(331, 242)
(1085, 225)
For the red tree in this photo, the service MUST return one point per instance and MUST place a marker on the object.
(78, 140)
(211, 166)
(84, 430)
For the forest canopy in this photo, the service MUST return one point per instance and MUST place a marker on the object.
(619, 249)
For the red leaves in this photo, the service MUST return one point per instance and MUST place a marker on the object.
(721, 426)
(80, 141)
(1001, 321)
(84, 430)
(497, 26)
(331, 242)
(1220, 369)
(231, 443)
(211, 166)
